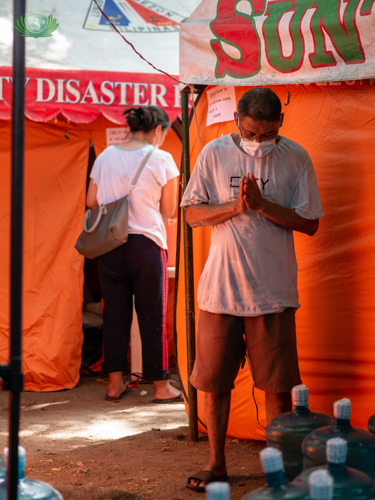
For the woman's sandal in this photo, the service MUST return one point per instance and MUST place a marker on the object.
(110, 398)
(204, 475)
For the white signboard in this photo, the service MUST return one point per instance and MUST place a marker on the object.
(117, 135)
(269, 42)
(221, 105)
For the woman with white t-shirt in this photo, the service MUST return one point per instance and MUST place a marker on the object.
(139, 266)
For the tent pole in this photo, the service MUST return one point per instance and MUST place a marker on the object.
(189, 275)
(18, 132)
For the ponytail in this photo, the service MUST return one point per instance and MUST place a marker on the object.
(146, 118)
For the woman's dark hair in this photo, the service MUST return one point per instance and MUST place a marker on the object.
(146, 118)
(261, 104)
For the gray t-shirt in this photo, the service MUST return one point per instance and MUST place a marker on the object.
(251, 267)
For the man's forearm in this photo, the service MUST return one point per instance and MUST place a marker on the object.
(210, 215)
(288, 218)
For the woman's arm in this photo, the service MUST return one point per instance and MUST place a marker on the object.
(168, 200)
(92, 191)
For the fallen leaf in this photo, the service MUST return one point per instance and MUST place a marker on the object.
(56, 469)
(166, 448)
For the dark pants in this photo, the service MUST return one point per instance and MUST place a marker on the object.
(139, 268)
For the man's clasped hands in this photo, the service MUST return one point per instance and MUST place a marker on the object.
(249, 195)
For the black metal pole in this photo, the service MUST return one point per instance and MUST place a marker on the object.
(189, 275)
(18, 132)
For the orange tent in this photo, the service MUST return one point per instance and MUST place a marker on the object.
(56, 160)
(334, 121)
(78, 82)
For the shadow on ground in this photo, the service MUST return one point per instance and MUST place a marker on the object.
(91, 449)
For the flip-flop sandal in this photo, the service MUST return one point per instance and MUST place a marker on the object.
(177, 399)
(204, 475)
(110, 398)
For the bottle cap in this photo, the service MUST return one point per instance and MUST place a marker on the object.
(337, 449)
(272, 460)
(342, 409)
(218, 490)
(321, 485)
(300, 395)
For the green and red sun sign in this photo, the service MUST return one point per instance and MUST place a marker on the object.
(286, 40)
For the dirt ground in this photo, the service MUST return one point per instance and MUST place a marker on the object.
(91, 449)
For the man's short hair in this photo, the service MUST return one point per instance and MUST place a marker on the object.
(261, 104)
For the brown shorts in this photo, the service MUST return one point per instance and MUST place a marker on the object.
(270, 345)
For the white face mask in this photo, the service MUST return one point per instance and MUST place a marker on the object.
(258, 149)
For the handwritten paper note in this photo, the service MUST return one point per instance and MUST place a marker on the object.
(221, 104)
(117, 135)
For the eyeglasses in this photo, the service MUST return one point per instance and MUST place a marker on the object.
(255, 139)
(261, 138)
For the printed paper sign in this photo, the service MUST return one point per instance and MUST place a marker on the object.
(221, 105)
(117, 135)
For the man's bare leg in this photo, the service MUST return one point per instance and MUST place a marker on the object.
(277, 403)
(217, 415)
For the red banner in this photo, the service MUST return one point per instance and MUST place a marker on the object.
(81, 96)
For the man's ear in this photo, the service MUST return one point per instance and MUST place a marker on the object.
(235, 114)
(281, 119)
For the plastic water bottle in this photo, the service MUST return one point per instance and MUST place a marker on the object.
(3, 471)
(371, 424)
(321, 485)
(287, 431)
(348, 483)
(218, 490)
(28, 489)
(361, 443)
(277, 487)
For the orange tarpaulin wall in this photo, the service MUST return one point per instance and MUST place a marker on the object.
(56, 159)
(336, 321)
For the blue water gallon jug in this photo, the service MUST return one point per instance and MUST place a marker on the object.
(320, 485)
(218, 490)
(28, 489)
(277, 486)
(287, 431)
(371, 424)
(3, 471)
(349, 484)
(361, 443)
